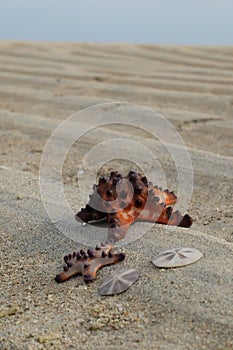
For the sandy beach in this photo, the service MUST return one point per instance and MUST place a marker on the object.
(42, 84)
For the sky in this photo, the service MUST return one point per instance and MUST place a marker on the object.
(192, 22)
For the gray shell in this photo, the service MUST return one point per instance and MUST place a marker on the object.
(176, 257)
(118, 282)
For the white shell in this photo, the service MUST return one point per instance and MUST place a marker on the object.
(118, 282)
(177, 257)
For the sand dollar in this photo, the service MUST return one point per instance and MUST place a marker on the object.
(118, 282)
(177, 257)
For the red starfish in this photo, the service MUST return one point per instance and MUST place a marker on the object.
(125, 200)
(88, 263)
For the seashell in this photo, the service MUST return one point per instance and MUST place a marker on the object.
(177, 257)
(118, 282)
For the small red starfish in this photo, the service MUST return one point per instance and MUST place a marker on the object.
(89, 262)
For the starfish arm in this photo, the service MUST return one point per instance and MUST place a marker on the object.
(117, 233)
(180, 220)
(166, 216)
(89, 214)
(74, 269)
(119, 223)
(174, 218)
(165, 196)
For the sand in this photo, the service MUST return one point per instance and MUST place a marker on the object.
(41, 85)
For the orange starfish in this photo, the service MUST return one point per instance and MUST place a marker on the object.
(124, 200)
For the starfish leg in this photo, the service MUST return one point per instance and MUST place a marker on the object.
(89, 214)
(166, 216)
(118, 224)
(164, 195)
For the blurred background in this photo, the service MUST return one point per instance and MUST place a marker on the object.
(147, 21)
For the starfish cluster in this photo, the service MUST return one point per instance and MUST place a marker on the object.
(122, 201)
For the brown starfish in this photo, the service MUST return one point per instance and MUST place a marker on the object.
(88, 263)
(124, 200)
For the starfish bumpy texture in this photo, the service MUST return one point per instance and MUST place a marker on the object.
(124, 200)
(89, 262)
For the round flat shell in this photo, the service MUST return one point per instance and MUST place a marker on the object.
(177, 257)
(118, 282)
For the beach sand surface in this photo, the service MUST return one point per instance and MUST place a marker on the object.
(41, 85)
